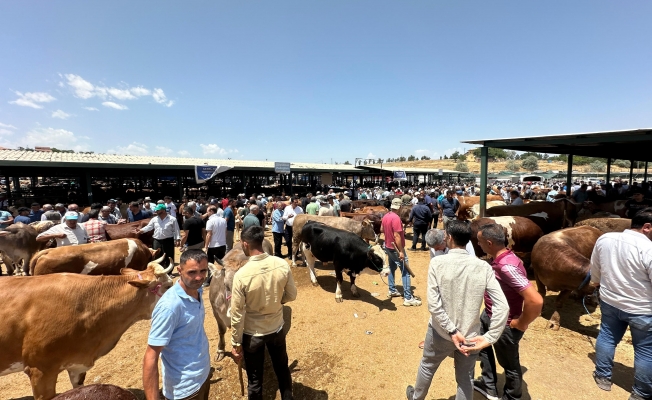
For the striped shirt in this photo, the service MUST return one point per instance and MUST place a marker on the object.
(512, 278)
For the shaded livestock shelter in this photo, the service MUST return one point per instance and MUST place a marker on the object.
(86, 178)
(631, 144)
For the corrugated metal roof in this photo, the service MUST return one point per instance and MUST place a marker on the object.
(22, 156)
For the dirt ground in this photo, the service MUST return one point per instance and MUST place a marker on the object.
(332, 355)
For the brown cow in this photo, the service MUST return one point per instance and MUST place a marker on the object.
(124, 231)
(363, 228)
(374, 217)
(561, 262)
(68, 321)
(368, 209)
(18, 242)
(613, 207)
(607, 224)
(521, 234)
(364, 203)
(220, 289)
(404, 214)
(467, 203)
(549, 216)
(102, 258)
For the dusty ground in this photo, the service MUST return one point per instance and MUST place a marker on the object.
(333, 358)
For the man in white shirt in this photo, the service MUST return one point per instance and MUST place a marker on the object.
(290, 211)
(621, 264)
(67, 234)
(166, 232)
(170, 207)
(215, 244)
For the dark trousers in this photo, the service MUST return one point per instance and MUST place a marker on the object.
(288, 239)
(278, 244)
(506, 349)
(216, 253)
(254, 356)
(167, 245)
(419, 230)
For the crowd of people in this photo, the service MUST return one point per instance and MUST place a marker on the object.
(479, 310)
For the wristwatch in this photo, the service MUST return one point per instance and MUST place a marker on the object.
(454, 332)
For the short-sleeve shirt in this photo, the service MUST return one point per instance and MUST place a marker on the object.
(23, 219)
(449, 207)
(35, 216)
(250, 220)
(4, 215)
(178, 325)
(96, 230)
(73, 236)
(194, 227)
(633, 207)
(217, 226)
(230, 219)
(512, 277)
(171, 209)
(391, 223)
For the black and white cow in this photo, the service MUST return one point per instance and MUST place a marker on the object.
(346, 250)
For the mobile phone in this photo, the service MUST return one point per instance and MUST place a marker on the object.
(468, 344)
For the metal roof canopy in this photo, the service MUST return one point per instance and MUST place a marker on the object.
(631, 144)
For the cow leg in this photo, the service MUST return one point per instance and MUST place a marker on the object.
(354, 289)
(77, 375)
(221, 345)
(44, 383)
(541, 288)
(310, 261)
(338, 289)
(554, 322)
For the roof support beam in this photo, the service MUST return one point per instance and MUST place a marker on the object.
(608, 169)
(569, 176)
(484, 164)
(631, 172)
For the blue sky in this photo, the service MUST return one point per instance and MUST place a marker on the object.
(317, 81)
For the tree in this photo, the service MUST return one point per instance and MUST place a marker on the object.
(531, 163)
(445, 157)
(461, 167)
(623, 163)
(525, 155)
(347, 163)
(492, 152)
(455, 155)
(511, 155)
(512, 165)
(462, 157)
(401, 159)
(598, 166)
(411, 158)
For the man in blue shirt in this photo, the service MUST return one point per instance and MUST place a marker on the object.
(6, 219)
(177, 335)
(35, 214)
(278, 228)
(23, 216)
(229, 216)
(134, 213)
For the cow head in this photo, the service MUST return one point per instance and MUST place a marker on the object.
(155, 253)
(377, 261)
(368, 231)
(154, 279)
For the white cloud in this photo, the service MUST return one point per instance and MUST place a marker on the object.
(5, 132)
(215, 149)
(115, 105)
(83, 88)
(140, 91)
(160, 97)
(31, 99)
(51, 137)
(61, 84)
(371, 155)
(183, 153)
(120, 94)
(7, 126)
(60, 114)
(91, 109)
(450, 151)
(164, 151)
(86, 90)
(134, 148)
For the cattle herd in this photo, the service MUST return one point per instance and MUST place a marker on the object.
(81, 299)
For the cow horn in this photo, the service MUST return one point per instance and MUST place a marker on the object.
(159, 260)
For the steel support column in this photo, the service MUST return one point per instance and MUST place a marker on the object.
(180, 186)
(645, 173)
(569, 176)
(609, 170)
(631, 171)
(484, 169)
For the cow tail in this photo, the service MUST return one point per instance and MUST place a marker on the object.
(34, 260)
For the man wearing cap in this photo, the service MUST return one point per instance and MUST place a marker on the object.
(636, 203)
(106, 216)
(115, 211)
(147, 205)
(23, 216)
(68, 233)
(166, 232)
(325, 208)
(392, 227)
